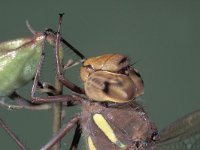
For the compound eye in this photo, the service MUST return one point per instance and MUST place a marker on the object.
(108, 86)
(136, 78)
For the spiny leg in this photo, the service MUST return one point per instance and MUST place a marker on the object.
(12, 135)
(67, 44)
(59, 74)
(76, 138)
(62, 132)
(49, 99)
(20, 102)
(67, 83)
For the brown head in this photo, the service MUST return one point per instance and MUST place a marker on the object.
(110, 77)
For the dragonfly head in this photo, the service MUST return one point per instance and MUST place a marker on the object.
(110, 77)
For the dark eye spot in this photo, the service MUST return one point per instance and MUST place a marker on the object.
(106, 87)
(123, 60)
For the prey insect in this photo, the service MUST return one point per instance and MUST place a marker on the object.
(19, 60)
(18, 64)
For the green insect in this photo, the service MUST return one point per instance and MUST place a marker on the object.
(19, 60)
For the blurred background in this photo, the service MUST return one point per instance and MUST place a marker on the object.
(160, 37)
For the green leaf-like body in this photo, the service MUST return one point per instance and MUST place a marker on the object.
(18, 62)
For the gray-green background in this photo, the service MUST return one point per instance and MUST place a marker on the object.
(163, 37)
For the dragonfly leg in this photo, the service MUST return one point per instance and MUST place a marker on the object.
(61, 133)
(49, 99)
(21, 102)
(76, 137)
(12, 135)
(59, 68)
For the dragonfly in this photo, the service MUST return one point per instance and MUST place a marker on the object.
(111, 117)
(123, 124)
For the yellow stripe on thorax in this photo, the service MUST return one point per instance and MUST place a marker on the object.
(107, 130)
(91, 144)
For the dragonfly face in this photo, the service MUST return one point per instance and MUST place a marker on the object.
(121, 125)
(111, 78)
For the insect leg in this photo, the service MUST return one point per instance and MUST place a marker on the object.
(12, 135)
(61, 133)
(76, 138)
(21, 102)
(59, 73)
(67, 83)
